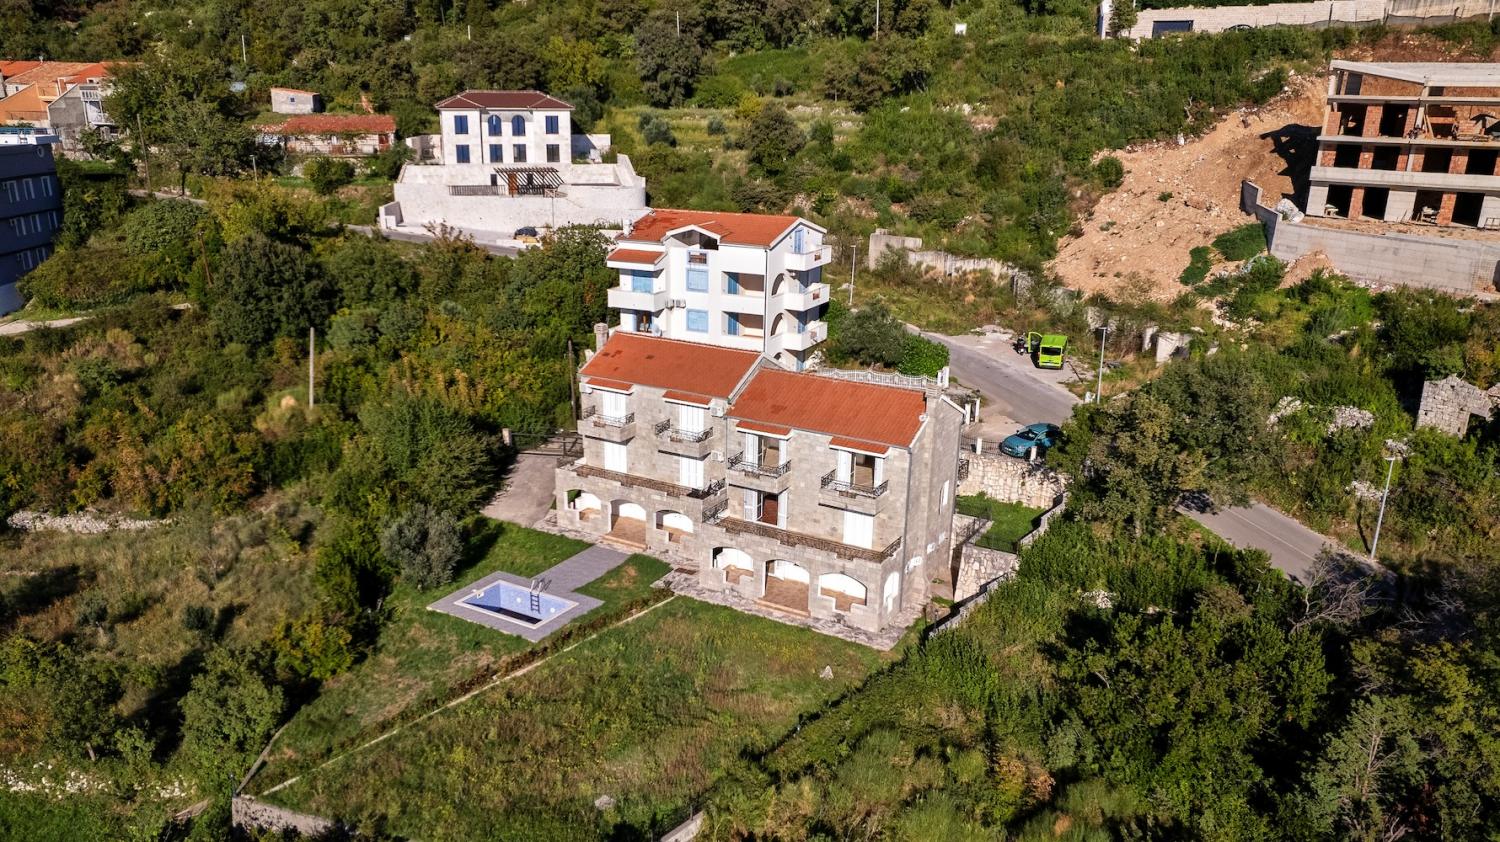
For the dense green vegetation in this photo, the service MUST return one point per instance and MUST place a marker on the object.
(1010, 522)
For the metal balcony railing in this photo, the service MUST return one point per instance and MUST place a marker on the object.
(963, 469)
(854, 488)
(600, 420)
(709, 491)
(715, 513)
(738, 463)
(790, 538)
(665, 428)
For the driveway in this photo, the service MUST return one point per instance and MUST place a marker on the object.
(1292, 546)
(526, 495)
(1022, 392)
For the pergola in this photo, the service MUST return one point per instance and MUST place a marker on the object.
(530, 181)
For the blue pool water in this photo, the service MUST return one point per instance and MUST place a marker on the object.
(517, 604)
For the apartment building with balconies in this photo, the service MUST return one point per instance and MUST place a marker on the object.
(1410, 142)
(736, 280)
(31, 204)
(809, 495)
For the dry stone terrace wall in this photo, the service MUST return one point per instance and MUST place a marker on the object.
(1012, 480)
(1448, 404)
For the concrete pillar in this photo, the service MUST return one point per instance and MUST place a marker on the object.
(1317, 198)
(1398, 207)
(1445, 211)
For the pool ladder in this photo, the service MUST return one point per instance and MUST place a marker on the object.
(537, 586)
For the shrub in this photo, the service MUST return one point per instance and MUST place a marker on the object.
(871, 336)
(921, 356)
(1109, 173)
(71, 279)
(312, 649)
(425, 544)
(655, 129)
(1242, 243)
(716, 125)
(160, 226)
(328, 174)
(1200, 260)
(227, 716)
(387, 164)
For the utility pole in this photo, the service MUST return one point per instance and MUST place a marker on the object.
(140, 139)
(853, 268)
(1390, 467)
(679, 23)
(244, 54)
(311, 357)
(877, 20)
(572, 374)
(1099, 388)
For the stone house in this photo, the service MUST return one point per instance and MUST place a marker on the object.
(739, 280)
(339, 135)
(811, 495)
(294, 101)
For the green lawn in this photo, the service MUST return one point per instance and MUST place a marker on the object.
(422, 655)
(651, 713)
(1011, 520)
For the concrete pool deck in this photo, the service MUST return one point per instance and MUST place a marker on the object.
(564, 578)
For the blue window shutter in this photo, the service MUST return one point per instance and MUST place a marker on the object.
(552, 124)
(517, 126)
(460, 124)
(462, 151)
(495, 125)
(697, 280)
(732, 326)
(495, 153)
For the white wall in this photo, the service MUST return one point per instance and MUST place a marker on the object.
(479, 137)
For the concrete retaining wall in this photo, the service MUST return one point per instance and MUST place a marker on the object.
(1319, 13)
(940, 261)
(1463, 267)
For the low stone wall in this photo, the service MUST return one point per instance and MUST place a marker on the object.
(1320, 13)
(979, 566)
(1012, 480)
(1462, 267)
(247, 811)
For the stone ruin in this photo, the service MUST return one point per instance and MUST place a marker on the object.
(1448, 404)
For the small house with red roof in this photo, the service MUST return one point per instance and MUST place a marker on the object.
(738, 280)
(342, 135)
(806, 495)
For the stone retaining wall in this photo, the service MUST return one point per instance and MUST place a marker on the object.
(248, 811)
(1320, 13)
(980, 566)
(1012, 480)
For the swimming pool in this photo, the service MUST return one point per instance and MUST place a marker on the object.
(517, 604)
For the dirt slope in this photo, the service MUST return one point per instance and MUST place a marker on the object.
(1138, 230)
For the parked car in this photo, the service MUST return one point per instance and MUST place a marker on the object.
(1032, 437)
(527, 235)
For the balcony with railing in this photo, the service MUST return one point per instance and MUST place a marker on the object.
(596, 424)
(800, 298)
(810, 257)
(710, 492)
(772, 478)
(694, 444)
(853, 495)
(630, 298)
(812, 542)
(811, 334)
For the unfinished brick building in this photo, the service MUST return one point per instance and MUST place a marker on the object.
(1410, 142)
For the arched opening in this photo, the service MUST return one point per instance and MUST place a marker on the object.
(587, 505)
(787, 585)
(846, 591)
(517, 126)
(778, 324)
(892, 590)
(735, 563)
(627, 523)
(494, 125)
(779, 285)
(676, 525)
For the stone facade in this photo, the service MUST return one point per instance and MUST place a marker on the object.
(1012, 480)
(978, 566)
(698, 504)
(1448, 404)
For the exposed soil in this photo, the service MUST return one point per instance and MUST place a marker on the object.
(1135, 240)
(1139, 230)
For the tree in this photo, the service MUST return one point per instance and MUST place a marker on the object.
(871, 336)
(227, 716)
(266, 289)
(1368, 768)
(669, 61)
(366, 271)
(772, 139)
(328, 174)
(426, 545)
(199, 139)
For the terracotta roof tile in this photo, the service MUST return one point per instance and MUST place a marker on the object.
(648, 258)
(860, 445)
(685, 397)
(504, 99)
(606, 383)
(318, 124)
(25, 106)
(749, 229)
(670, 364)
(840, 408)
(757, 427)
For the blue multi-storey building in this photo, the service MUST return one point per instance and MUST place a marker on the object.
(30, 207)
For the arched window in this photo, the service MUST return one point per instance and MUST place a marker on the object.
(517, 126)
(494, 125)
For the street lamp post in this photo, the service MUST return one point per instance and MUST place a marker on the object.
(1099, 386)
(1390, 467)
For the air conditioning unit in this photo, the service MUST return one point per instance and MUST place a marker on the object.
(677, 302)
(656, 330)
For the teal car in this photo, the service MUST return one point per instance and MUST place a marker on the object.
(1032, 437)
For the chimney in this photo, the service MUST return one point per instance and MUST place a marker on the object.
(601, 335)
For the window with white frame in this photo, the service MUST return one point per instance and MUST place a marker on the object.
(697, 280)
(697, 321)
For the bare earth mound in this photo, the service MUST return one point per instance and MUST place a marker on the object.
(1139, 230)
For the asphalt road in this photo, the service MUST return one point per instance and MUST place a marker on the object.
(1292, 546)
(1003, 376)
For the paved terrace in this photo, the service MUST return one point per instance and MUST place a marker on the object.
(564, 580)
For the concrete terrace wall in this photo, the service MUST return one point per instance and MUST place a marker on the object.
(1319, 13)
(1463, 267)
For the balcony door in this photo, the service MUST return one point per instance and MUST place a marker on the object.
(692, 419)
(689, 472)
(612, 404)
(614, 457)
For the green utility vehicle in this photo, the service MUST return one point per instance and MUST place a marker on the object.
(1047, 350)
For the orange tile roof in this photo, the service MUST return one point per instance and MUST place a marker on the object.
(25, 106)
(19, 66)
(756, 427)
(670, 364)
(47, 73)
(615, 385)
(293, 90)
(636, 256)
(840, 408)
(681, 397)
(748, 229)
(320, 124)
(861, 446)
